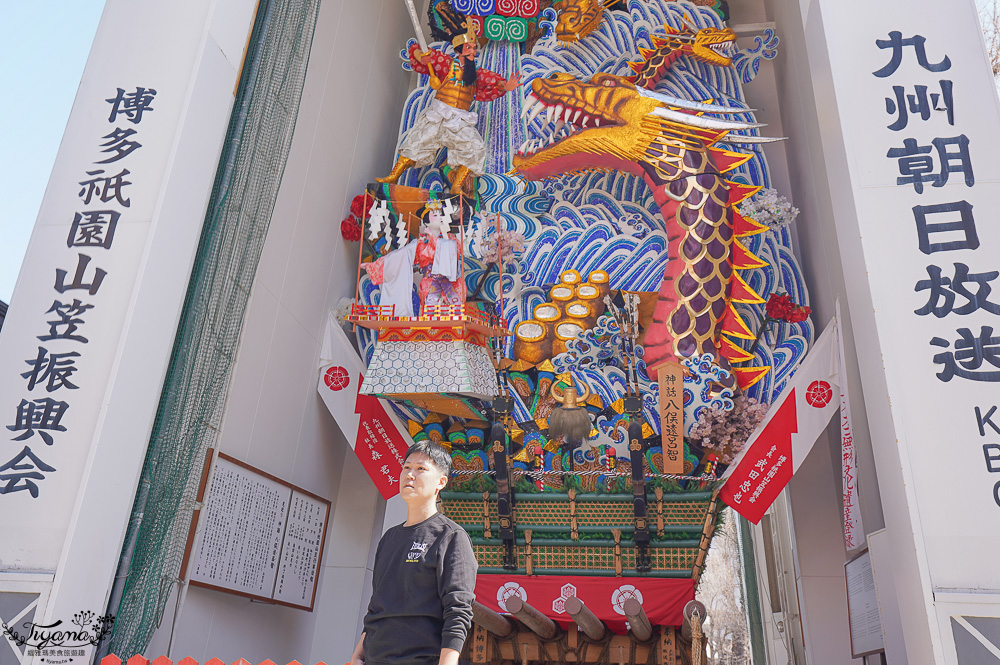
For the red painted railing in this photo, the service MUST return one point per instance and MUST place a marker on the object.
(429, 313)
(373, 311)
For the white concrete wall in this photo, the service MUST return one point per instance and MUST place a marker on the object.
(815, 500)
(793, 96)
(345, 136)
(832, 253)
(815, 492)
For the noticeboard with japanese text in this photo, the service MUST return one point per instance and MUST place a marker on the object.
(922, 126)
(863, 607)
(260, 537)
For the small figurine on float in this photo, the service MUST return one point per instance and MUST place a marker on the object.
(446, 121)
(438, 257)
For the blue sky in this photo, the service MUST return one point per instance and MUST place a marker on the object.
(43, 49)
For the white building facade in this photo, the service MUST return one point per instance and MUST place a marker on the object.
(177, 284)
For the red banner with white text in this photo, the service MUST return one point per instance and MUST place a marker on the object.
(781, 442)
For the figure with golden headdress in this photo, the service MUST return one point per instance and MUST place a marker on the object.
(447, 121)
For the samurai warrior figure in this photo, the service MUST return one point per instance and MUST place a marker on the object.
(447, 121)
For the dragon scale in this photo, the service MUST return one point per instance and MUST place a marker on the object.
(697, 282)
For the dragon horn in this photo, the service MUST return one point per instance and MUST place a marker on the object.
(702, 121)
(752, 139)
(687, 103)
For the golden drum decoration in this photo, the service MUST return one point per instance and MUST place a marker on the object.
(561, 295)
(570, 277)
(565, 332)
(582, 312)
(532, 343)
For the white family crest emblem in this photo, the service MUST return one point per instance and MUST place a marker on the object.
(510, 589)
(623, 593)
(559, 604)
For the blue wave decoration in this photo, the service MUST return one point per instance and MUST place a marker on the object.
(747, 61)
(609, 220)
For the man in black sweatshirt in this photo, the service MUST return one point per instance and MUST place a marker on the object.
(424, 579)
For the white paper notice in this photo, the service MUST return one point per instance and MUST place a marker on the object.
(241, 531)
(862, 603)
(299, 564)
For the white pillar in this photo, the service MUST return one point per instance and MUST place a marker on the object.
(70, 521)
(936, 490)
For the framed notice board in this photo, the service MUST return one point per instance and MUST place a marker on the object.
(862, 607)
(260, 537)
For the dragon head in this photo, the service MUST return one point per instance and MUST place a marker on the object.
(609, 123)
(713, 45)
(596, 125)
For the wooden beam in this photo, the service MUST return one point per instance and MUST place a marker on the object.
(480, 644)
(490, 620)
(511, 650)
(637, 619)
(572, 646)
(588, 622)
(668, 640)
(539, 624)
(706, 538)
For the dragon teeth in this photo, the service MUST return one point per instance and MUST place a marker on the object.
(529, 104)
(567, 114)
(549, 113)
(576, 116)
(586, 119)
(533, 113)
(524, 145)
(559, 126)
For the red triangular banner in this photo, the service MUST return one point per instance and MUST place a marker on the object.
(765, 468)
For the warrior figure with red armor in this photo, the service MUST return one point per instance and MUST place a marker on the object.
(447, 121)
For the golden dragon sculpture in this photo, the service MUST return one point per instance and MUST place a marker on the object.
(715, 46)
(610, 123)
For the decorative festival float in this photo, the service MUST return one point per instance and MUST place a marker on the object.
(586, 332)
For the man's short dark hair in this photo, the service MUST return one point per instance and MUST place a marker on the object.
(438, 455)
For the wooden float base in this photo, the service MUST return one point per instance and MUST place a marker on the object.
(523, 647)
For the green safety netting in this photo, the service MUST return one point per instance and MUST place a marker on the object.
(197, 379)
